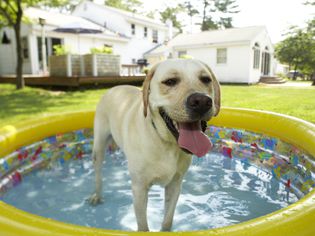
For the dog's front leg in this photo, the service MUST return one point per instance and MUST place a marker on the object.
(96, 198)
(140, 202)
(172, 191)
(100, 143)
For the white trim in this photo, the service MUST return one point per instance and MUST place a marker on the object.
(210, 45)
(94, 65)
(69, 65)
(50, 33)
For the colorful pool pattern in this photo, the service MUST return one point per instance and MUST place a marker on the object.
(285, 162)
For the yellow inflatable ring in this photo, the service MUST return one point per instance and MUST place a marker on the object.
(297, 219)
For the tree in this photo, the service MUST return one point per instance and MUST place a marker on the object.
(127, 5)
(309, 64)
(224, 8)
(11, 13)
(311, 30)
(310, 2)
(61, 5)
(207, 21)
(191, 11)
(170, 13)
(298, 50)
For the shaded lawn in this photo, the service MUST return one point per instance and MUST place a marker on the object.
(30, 103)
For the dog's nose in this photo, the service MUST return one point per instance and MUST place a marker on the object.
(199, 103)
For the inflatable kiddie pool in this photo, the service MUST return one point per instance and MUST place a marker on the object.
(241, 126)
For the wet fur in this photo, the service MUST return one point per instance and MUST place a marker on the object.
(131, 117)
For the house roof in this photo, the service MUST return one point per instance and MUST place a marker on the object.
(133, 17)
(214, 37)
(218, 36)
(55, 20)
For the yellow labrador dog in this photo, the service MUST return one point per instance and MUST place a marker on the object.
(158, 129)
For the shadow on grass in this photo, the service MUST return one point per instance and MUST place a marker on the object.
(30, 101)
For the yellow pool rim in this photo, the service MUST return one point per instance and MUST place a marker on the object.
(296, 220)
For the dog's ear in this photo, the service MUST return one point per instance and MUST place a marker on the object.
(217, 90)
(217, 93)
(146, 89)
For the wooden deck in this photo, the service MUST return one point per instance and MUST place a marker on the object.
(75, 81)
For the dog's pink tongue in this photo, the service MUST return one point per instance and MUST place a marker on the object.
(193, 139)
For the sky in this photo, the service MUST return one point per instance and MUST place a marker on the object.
(276, 15)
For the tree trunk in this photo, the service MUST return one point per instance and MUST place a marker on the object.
(19, 50)
(203, 24)
(295, 73)
(313, 78)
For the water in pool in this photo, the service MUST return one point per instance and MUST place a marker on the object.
(217, 191)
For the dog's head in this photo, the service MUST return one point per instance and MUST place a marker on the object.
(186, 94)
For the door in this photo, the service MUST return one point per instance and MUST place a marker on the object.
(265, 63)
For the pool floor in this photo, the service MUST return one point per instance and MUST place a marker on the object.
(217, 191)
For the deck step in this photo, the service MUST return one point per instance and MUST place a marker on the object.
(271, 80)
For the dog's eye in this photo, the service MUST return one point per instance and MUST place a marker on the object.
(205, 79)
(170, 82)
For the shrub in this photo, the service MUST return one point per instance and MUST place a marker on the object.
(60, 50)
(102, 50)
(186, 57)
(145, 70)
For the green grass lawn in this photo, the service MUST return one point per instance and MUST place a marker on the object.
(296, 101)
(30, 103)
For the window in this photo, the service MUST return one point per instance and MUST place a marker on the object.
(256, 49)
(221, 55)
(25, 48)
(133, 29)
(182, 54)
(5, 39)
(145, 32)
(154, 36)
(52, 42)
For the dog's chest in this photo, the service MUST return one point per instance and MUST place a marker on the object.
(165, 168)
(163, 173)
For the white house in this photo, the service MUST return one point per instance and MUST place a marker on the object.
(143, 32)
(31, 40)
(237, 55)
(129, 34)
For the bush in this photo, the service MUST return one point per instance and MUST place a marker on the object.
(60, 50)
(186, 56)
(102, 50)
(145, 70)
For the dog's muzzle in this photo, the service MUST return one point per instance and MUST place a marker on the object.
(189, 135)
(198, 104)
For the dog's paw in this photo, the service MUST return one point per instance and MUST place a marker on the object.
(95, 199)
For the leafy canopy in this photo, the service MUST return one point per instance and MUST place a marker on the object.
(298, 49)
(127, 5)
